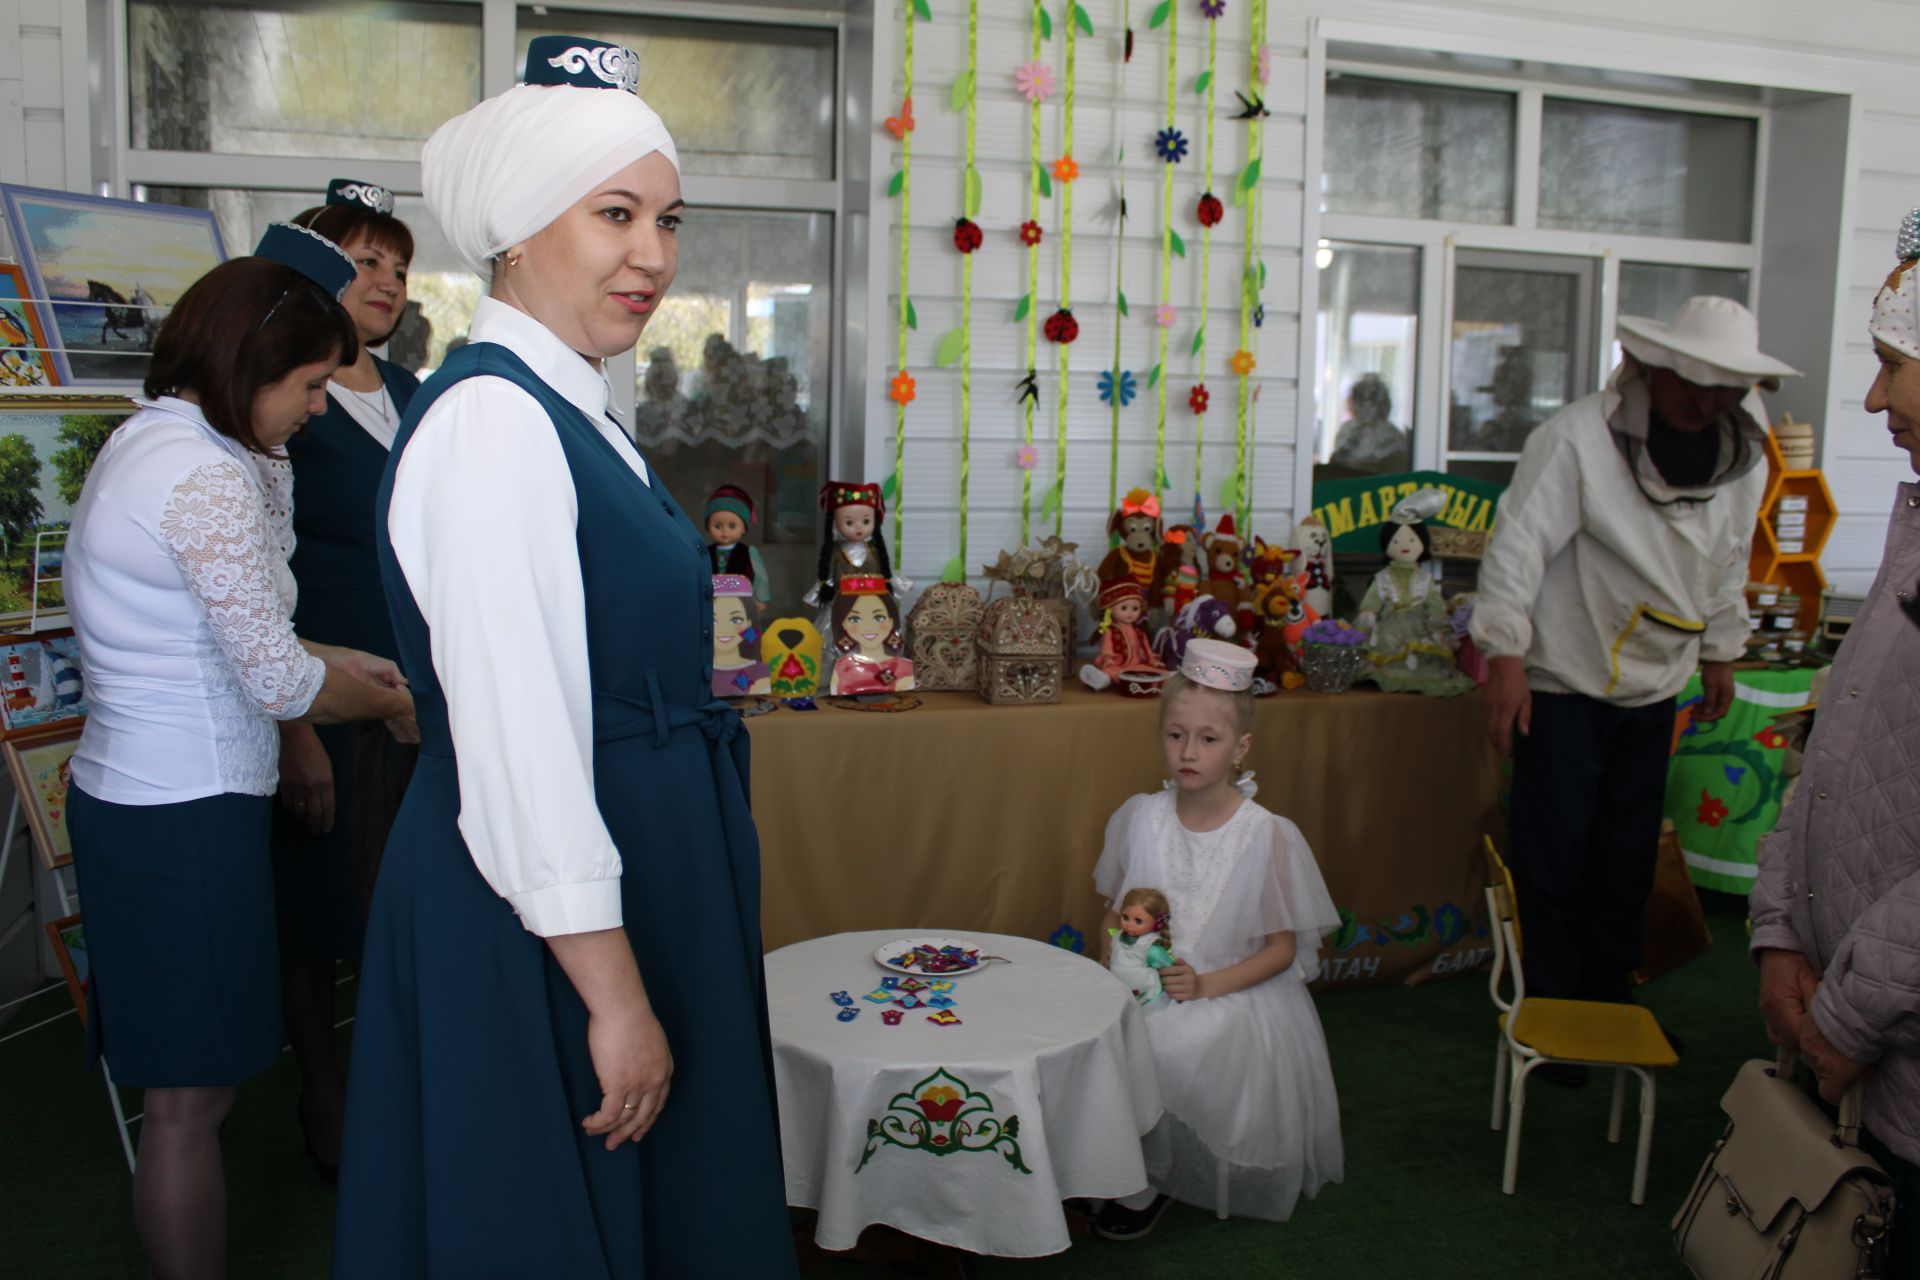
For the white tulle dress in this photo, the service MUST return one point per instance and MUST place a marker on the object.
(1244, 1077)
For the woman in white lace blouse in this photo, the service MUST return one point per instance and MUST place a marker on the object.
(182, 602)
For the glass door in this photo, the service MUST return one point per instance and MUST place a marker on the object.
(1521, 348)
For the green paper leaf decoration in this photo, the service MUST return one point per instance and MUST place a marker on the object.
(1082, 19)
(1123, 305)
(1199, 340)
(1250, 176)
(1046, 22)
(1026, 305)
(890, 486)
(1230, 492)
(973, 192)
(899, 182)
(1200, 85)
(951, 348)
(1263, 273)
(954, 572)
(913, 317)
(1046, 183)
(1052, 501)
(1153, 375)
(962, 90)
(922, 10)
(1161, 13)
(1161, 480)
(1179, 245)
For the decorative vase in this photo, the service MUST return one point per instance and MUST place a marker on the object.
(1329, 668)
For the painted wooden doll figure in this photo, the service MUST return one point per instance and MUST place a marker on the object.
(729, 515)
(1125, 646)
(738, 671)
(853, 544)
(867, 640)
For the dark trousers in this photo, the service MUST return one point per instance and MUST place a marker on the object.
(1589, 784)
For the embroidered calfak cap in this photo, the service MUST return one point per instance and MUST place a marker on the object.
(1218, 665)
(361, 195)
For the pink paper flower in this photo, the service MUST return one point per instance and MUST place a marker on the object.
(1035, 80)
(1027, 457)
(1266, 63)
(1164, 315)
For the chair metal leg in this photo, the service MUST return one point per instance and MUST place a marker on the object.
(1645, 1151)
(1502, 1070)
(119, 1115)
(1516, 1113)
(1619, 1104)
(1220, 1190)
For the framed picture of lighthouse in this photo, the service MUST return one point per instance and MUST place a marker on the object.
(106, 272)
(41, 685)
(41, 766)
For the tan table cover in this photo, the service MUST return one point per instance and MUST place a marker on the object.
(958, 815)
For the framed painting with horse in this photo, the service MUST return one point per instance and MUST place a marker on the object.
(104, 273)
(25, 358)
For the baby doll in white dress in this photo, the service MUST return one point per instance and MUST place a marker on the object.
(1142, 943)
(1244, 1073)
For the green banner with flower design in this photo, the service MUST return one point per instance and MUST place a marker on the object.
(1726, 781)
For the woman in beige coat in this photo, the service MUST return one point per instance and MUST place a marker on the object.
(1836, 906)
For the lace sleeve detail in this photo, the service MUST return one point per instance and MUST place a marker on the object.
(215, 524)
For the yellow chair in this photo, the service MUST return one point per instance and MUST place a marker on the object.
(1539, 1031)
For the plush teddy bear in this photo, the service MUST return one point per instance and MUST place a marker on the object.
(1226, 579)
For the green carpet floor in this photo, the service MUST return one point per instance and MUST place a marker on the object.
(1421, 1197)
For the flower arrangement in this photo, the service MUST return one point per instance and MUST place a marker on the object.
(1333, 632)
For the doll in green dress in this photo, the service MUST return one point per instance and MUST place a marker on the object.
(1405, 613)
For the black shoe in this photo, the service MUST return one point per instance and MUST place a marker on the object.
(1116, 1222)
(1568, 1075)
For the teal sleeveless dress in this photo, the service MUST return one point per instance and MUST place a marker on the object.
(470, 1074)
(321, 887)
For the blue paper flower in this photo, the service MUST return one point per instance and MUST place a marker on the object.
(1171, 144)
(1126, 387)
(1069, 938)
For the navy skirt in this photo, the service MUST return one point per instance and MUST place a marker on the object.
(178, 905)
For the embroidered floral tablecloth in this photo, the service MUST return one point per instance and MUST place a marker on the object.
(1725, 784)
(969, 1134)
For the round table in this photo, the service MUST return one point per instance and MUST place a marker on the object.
(969, 1134)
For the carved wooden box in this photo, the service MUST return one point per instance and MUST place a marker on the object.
(940, 637)
(1022, 653)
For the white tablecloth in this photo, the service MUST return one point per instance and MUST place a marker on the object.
(914, 1125)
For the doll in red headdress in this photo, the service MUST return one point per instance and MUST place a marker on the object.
(866, 637)
(853, 544)
(1125, 646)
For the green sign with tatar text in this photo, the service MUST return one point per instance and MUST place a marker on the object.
(1353, 510)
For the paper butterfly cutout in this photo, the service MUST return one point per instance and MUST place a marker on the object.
(891, 1017)
(841, 998)
(901, 125)
(847, 1015)
(944, 1018)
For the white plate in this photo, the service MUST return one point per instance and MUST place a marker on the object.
(883, 955)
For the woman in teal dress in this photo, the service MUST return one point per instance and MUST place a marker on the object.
(341, 784)
(567, 917)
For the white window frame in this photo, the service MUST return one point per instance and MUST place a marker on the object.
(1440, 240)
(127, 166)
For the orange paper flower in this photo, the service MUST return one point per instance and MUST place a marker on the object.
(1242, 362)
(902, 389)
(1065, 169)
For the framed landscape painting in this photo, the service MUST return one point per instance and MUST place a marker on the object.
(110, 271)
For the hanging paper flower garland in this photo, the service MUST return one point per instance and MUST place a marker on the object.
(901, 390)
(1209, 214)
(1035, 81)
(1062, 328)
(1238, 492)
(957, 345)
(1197, 398)
(1118, 391)
(1170, 145)
(1117, 387)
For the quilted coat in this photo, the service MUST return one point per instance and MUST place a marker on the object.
(1839, 877)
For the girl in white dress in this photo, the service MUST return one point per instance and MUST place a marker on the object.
(1251, 1112)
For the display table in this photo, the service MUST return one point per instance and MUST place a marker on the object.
(974, 817)
(1725, 784)
(969, 1135)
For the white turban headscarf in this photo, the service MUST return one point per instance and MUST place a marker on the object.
(498, 173)
(1896, 308)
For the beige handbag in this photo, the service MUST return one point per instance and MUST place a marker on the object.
(1784, 1194)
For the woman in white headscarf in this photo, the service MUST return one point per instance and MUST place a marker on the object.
(569, 902)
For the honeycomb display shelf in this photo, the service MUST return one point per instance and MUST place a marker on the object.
(1799, 571)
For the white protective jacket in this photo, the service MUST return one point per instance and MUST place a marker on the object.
(1612, 585)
